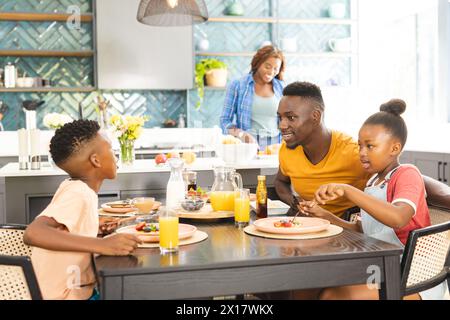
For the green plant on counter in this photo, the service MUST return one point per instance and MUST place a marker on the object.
(201, 68)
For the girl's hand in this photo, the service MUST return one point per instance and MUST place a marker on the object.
(329, 192)
(310, 208)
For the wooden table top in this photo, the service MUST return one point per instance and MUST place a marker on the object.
(228, 247)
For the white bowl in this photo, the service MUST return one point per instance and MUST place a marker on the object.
(237, 153)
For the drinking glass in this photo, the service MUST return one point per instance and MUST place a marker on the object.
(144, 204)
(242, 208)
(168, 231)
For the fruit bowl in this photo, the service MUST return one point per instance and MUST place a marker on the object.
(192, 204)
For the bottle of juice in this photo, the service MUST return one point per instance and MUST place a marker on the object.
(261, 198)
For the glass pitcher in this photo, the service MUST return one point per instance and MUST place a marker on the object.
(226, 183)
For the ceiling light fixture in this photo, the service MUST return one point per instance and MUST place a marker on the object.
(172, 12)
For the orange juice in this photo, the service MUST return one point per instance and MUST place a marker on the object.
(168, 234)
(222, 200)
(144, 205)
(242, 210)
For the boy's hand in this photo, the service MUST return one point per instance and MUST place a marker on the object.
(119, 244)
(329, 192)
(310, 208)
(107, 225)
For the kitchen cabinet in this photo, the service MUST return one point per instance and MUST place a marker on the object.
(434, 165)
(132, 55)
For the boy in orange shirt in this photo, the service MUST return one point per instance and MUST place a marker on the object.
(64, 235)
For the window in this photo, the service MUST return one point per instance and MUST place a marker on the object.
(402, 48)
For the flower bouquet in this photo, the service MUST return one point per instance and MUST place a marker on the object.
(127, 129)
(56, 120)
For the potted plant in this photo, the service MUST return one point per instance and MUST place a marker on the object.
(211, 71)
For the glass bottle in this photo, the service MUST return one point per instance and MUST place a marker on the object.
(261, 198)
(176, 186)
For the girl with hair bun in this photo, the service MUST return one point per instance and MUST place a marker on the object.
(393, 203)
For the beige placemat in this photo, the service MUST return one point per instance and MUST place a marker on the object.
(204, 213)
(197, 237)
(332, 230)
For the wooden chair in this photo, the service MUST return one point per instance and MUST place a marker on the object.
(425, 261)
(17, 279)
(11, 240)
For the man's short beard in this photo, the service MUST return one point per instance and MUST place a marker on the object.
(292, 147)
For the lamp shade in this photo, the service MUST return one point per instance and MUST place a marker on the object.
(172, 12)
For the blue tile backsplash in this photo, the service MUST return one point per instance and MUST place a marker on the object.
(159, 105)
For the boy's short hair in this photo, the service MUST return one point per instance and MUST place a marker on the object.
(70, 139)
(305, 90)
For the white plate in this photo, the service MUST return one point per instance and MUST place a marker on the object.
(274, 207)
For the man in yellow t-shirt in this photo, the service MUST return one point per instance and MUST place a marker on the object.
(312, 155)
(341, 164)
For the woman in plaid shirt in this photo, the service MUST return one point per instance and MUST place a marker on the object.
(251, 102)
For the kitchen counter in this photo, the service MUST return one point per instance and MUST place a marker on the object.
(142, 166)
(25, 193)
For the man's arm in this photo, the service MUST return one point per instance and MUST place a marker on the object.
(438, 193)
(283, 189)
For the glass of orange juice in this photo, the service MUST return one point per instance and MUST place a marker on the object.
(144, 204)
(168, 231)
(242, 208)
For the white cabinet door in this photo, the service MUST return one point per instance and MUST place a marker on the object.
(446, 170)
(430, 164)
(131, 55)
(406, 157)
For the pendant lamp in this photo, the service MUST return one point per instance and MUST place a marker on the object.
(172, 12)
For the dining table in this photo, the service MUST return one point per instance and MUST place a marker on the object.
(232, 262)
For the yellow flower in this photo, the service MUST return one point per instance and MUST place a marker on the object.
(129, 127)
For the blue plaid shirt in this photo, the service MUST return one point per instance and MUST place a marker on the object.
(237, 111)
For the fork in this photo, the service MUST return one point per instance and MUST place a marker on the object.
(292, 221)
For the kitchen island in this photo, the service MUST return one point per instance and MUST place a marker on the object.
(25, 193)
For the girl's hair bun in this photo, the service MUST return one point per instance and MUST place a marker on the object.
(394, 106)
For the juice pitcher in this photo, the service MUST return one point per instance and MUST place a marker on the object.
(226, 183)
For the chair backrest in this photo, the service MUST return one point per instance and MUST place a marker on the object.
(11, 240)
(17, 279)
(438, 215)
(424, 263)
